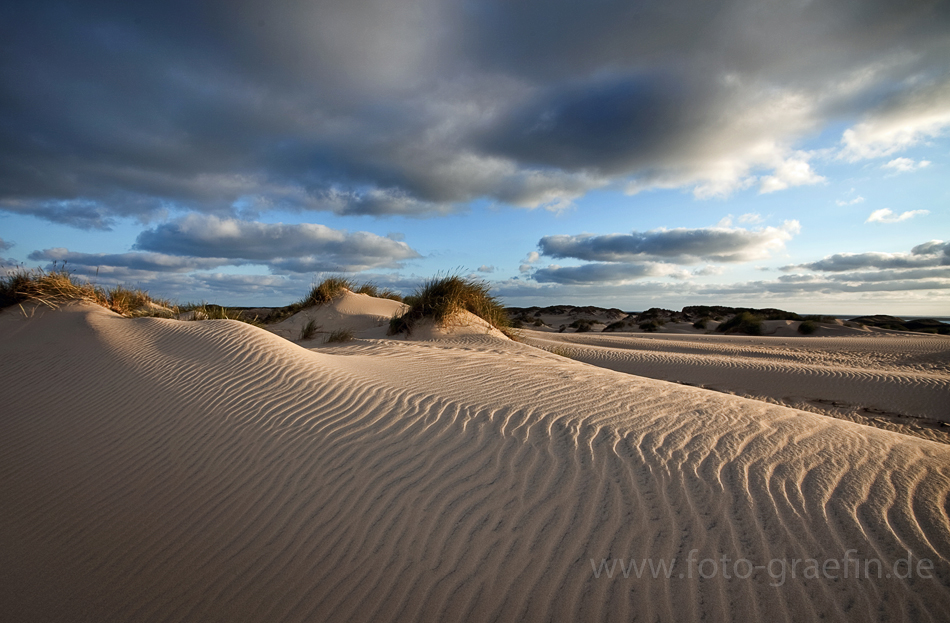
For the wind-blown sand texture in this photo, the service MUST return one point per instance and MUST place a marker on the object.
(895, 374)
(157, 470)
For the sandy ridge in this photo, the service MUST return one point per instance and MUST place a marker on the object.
(186, 471)
(907, 376)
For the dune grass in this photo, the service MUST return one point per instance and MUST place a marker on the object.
(371, 289)
(340, 335)
(57, 286)
(327, 290)
(209, 311)
(442, 297)
(309, 330)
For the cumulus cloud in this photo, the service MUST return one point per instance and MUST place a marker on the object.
(885, 215)
(681, 245)
(795, 171)
(301, 247)
(906, 165)
(484, 268)
(416, 108)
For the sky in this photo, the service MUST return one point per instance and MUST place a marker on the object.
(628, 154)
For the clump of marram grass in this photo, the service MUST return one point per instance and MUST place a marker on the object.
(209, 311)
(57, 286)
(340, 335)
(441, 298)
(309, 330)
(371, 289)
(327, 290)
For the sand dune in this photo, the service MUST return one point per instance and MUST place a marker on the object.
(155, 470)
(902, 374)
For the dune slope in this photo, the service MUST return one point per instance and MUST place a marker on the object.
(154, 470)
(907, 374)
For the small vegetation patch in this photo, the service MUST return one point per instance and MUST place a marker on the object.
(702, 323)
(209, 311)
(340, 335)
(807, 327)
(650, 326)
(309, 330)
(327, 290)
(441, 298)
(743, 322)
(583, 325)
(371, 289)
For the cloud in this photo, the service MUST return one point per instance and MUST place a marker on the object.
(146, 262)
(5, 245)
(928, 254)
(299, 248)
(384, 108)
(600, 273)
(706, 271)
(906, 119)
(794, 171)
(486, 269)
(884, 215)
(528, 261)
(684, 246)
(850, 202)
(750, 218)
(906, 165)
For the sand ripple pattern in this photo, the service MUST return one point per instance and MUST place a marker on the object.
(153, 470)
(909, 376)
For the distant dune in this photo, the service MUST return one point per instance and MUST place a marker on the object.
(159, 470)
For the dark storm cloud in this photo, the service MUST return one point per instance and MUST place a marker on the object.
(718, 244)
(933, 253)
(130, 109)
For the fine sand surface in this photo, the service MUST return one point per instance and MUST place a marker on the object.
(890, 379)
(158, 470)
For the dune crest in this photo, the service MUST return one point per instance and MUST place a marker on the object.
(155, 470)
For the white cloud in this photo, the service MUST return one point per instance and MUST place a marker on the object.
(906, 165)
(922, 114)
(795, 171)
(850, 202)
(750, 218)
(486, 269)
(887, 216)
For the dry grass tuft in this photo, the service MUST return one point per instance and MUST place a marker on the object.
(371, 289)
(340, 335)
(55, 287)
(309, 330)
(441, 298)
(327, 290)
